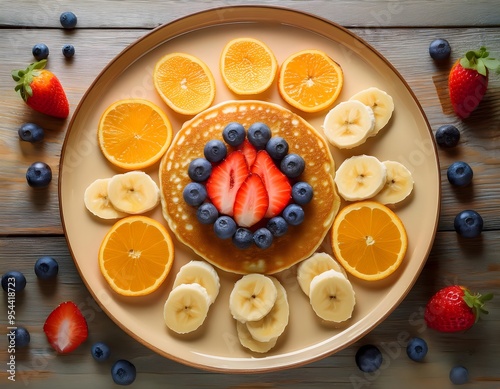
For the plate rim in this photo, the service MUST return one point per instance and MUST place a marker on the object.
(214, 10)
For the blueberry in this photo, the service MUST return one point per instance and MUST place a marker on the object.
(13, 280)
(439, 49)
(416, 349)
(277, 225)
(224, 227)
(31, 132)
(40, 51)
(100, 351)
(194, 194)
(292, 165)
(302, 193)
(68, 51)
(68, 19)
(447, 136)
(368, 358)
(39, 175)
(468, 224)
(243, 238)
(277, 147)
(46, 268)
(258, 135)
(293, 214)
(459, 174)
(22, 337)
(199, 169)
(459, 375)
(263, 238)
(234, 134)
(123, 372)
(215, 151)
(207, 213)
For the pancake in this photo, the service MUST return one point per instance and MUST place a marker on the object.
(300, 241)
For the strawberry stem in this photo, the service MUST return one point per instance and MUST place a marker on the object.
(24, 78)
(476, 302)
(480, 61)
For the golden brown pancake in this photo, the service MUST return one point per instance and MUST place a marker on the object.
(300, 241)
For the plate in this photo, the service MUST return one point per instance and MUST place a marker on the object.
(215, 346)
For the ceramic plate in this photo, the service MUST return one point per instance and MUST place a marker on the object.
(215, 346)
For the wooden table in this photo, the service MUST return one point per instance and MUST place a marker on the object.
(30, 225)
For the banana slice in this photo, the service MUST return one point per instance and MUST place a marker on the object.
(360, 177)
(349, 124)
(381, 104)
(133, 192)
(186, 308)
(250, 343)
(399, 183)
(332, 296)
(314, 265)
(274, 323)
(253, 296)
(97, 201)
(201, 273)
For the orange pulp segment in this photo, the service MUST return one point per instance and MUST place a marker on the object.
(136, 256)
(310, 80)
(369, 240)
(248, 66)
(184, 82)
(134, 133)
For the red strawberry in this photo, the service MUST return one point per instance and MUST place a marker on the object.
(468, 81)
(454, 309)
(277, 185)
(225, 180)
(251, 202)
(249, 151)
(41, 90)
(65, 327)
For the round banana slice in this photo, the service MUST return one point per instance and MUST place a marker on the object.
(332, 296)
(250, 343)
(186, 308)
(253, 296)
(97, 201)
(349, 124)
(314, 265)
(381, 104)
(274, 323)
(360, 177)
(398, 186)
(201, 273)
(133, 192)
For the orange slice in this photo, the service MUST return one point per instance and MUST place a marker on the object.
(310, 80)
(248, 66)
(134, 133)
(136, 255)
(369, 240)
(184, 82)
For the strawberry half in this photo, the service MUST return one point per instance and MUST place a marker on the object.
(225, 181)
(249, 151)
(251, 202)
(41, 90)
(454, 309)
(277, 184)
(65, 327)
(468, 81)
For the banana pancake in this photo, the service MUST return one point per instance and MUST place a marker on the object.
(300, 241)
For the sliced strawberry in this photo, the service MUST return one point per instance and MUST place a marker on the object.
(65, 327)
(277, 184)
(251, 202)
(249, 151)
(225, 180)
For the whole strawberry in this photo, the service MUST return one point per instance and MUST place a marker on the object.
(454, 309)
(41, 90)
(468, 80)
